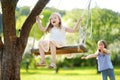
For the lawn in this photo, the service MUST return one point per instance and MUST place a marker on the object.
(85, 73)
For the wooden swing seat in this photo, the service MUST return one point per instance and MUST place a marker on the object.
(64, 50)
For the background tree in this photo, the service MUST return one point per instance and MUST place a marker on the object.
(11, 53)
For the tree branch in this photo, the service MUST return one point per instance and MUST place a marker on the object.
(25, 30)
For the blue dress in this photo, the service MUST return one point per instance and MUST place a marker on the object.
(104, 62)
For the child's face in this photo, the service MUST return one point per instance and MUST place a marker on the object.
(54, 19)
(100, 46)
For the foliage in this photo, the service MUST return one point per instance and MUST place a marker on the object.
(21, 15)
(115, 52)
(27, 60)
(22, 11)
(104, 22)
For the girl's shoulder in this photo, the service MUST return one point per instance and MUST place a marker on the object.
(63, 27)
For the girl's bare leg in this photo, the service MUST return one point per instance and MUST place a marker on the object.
(53, 53)
(41, 51)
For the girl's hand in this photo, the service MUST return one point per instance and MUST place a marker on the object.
(106, 51)
(37, 19)
(80, 19)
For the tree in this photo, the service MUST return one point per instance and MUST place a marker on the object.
(12, 49)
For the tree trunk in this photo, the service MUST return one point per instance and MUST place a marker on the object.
(12, 50)
(1, 53)
(11, 62)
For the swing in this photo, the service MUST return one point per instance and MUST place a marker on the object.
(66, 49)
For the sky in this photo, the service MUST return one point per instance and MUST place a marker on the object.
(70, 4)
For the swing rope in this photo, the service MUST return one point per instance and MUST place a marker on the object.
(82, 30)
(34, 37)
(90, 25)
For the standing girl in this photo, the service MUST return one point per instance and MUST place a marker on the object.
(57, 37)
(104, 62)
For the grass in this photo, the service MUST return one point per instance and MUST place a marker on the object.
(83, 73)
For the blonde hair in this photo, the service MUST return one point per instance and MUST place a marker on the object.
(50, 26)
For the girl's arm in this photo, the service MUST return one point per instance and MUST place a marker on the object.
(74, 29)
(91, 55)
(106, 51)
(39, 24)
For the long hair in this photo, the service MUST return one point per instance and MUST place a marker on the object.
(50, 26)
(104, 42)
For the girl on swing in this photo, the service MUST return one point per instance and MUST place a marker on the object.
(57, 37)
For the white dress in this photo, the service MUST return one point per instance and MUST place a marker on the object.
(57, 37)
